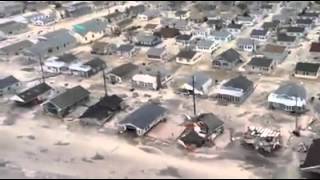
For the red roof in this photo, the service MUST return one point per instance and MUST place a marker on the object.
(315, 47)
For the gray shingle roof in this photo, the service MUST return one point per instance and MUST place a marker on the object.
(230, 55)
(8, 81)
(259, 32)
(12, 26)
(285, 38)
(125, 47)
(260, 61)
(143, 117)
(35, 91)
(124, 70)
(19, 46)
(70, 97)
(155, 51)
(295, 29)
(292, 89)
(222, 34)
(188, 54)
(239, 82)
(200, 79)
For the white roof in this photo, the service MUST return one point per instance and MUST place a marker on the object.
(231, 92)
(287, 101)
(79, 67)
(145, 78)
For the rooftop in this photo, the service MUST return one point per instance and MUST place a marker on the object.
(260, 61)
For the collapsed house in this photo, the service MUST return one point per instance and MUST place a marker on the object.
(204, 128)
(264, 139)
(101, 112)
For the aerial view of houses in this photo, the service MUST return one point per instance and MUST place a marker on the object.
(159, 89)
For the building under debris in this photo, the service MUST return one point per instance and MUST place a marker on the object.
(265, 139)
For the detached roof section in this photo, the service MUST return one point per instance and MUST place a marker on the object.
(32, 93)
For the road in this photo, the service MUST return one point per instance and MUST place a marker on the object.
(65, 23)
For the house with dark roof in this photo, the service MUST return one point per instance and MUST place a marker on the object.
(315, 49)
(133, 11)
(306, 23)
(188, 57)
(216, 24)
(147, 40)
(261, 65)
(13, 28)
(309, 15)
(126, 50)
(158, 54)
(234, 29)
(92, 30)
(103, 48)
(34, 95)
(52, 43)
(102, 111)
(236, 90)
(284, 40)
(247, 44)
(115, 17)
(289, 97)
(151, 78)
(122, 73)
(296, 31)
(9, 84)
(227, 59)
(311, 163)
(66, 102)
(143, 119)
(184, 39)
(89, 68)
(59, 64)
(307, 70)
(202, 84)
(260, 34)
(16, 48)
(180, 24)
(271, 25)
(275, 52)
(167, 32)
(77, 9)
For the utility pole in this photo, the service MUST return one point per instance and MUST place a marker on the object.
(296, 131)
(194, 97)
(41, 67)
(104, 83)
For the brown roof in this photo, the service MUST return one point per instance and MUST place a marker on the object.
(315, 47)
(167, 32)
(150, 26)
(274, 48)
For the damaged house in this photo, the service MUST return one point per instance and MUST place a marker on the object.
(202, 84)
(204, 129)
(101, 112)
(122, 73)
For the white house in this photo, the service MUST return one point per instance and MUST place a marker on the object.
(202, 84)
(148, 15)
(207, 46)
(92, 30)
(221, 36)
(59, 64)
(289, 97)
(247, 44)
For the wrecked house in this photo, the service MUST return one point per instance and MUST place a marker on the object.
(33, 95)
(264, 139)
(101, 112)
(143, 119)
(204, 129)
(66, 102)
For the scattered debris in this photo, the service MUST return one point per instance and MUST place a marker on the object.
(59, 143)
(98, 156)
